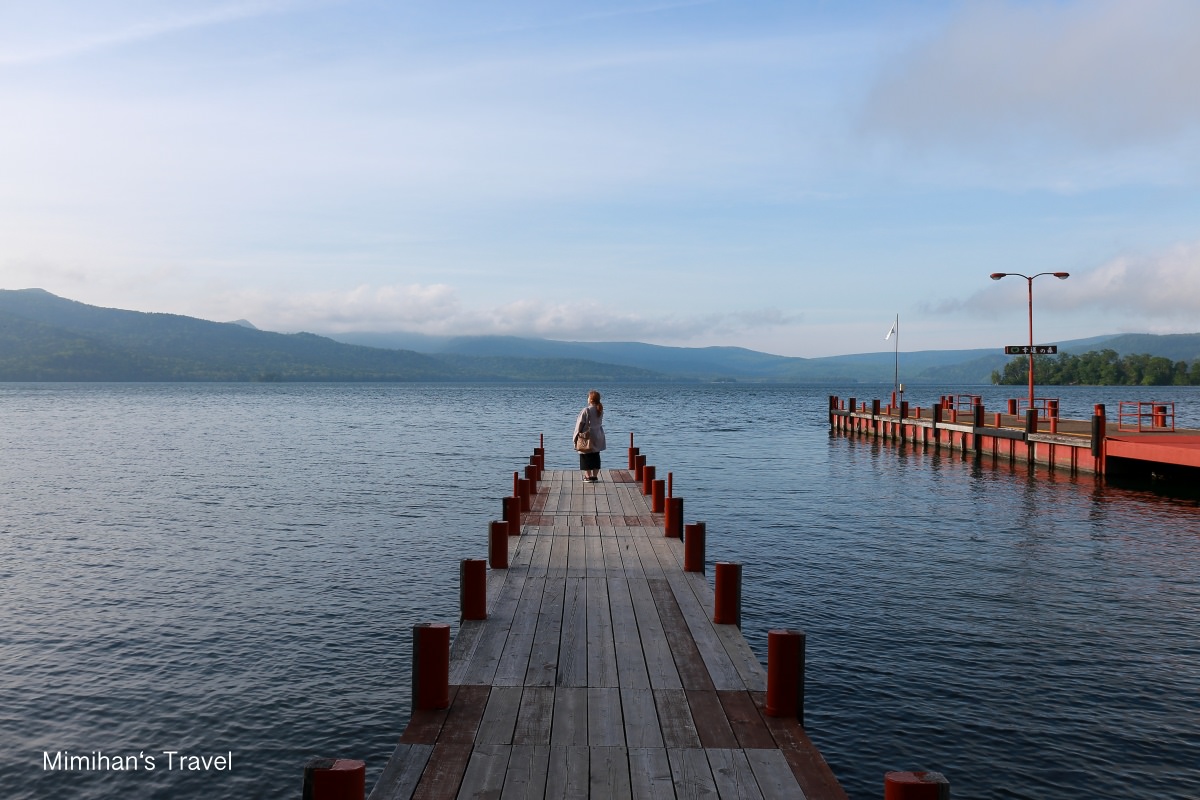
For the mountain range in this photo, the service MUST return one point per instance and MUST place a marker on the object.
(44, 337)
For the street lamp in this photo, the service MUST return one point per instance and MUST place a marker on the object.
(1062, 276)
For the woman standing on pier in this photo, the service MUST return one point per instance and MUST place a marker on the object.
(591, 425)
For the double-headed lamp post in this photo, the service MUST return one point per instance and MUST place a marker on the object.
(1062, 276)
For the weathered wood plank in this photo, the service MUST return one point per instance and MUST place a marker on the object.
(526, 776)
(693, 673)
(500, 716)
(746, 721)
(572, 649)
(733, 775)
(535, 716)
(567, 775)
(601, 647)
(570, 725)
(692, 773)
(605, 723)
(660, 664)
(709, 716)
(402, 772)
(485, 771)
(631, 661)
(608, 770)
(640, 714)
(675, 718)
(650, 774)
(466, 710)
(774, 776)
(443, 772)
(543, 657)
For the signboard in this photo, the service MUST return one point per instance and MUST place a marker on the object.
(1024, 349)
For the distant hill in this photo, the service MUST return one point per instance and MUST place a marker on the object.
(47, 338)
(727, 363)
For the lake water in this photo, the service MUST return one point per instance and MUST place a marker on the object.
(234, 570)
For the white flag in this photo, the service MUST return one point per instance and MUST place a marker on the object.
(891, 330)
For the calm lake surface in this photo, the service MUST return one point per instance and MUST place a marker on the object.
(234, 570)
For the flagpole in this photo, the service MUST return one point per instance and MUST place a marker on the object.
(896, 378)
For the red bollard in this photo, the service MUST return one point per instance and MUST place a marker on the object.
(999, 420)
(639, 463)
(647, 479)
(658, 496)
(335, 779)
(540, 454)
(1012, 406)
(673, 518)
(693, 547)
(670, 480)
(633, 454)
(915, 786)
(472, 588)
(785, 674)
(431, 666)
(727, 593)
(512, 514)
(516, 484)
(531, 476)
(523, 493)
(498, 544)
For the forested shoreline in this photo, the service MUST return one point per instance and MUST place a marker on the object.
(1100, 368)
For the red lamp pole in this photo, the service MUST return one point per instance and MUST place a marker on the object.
(1062, 276)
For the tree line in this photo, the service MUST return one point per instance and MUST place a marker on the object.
(1100, 368)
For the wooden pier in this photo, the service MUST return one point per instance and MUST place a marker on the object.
(599, 672)
(1098, 445)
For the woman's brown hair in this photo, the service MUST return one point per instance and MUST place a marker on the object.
(594, 400)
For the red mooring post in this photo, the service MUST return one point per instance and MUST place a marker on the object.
(727, 593)
(633, 451)
(915, 786)
(531, 477)
(472, 588)
(693, 547)
(334, 779)
(658, 496)
(498, 544)
(647, 479)
(785, 674)
(523, 493)
(673, 518)
(512, 514)
(431, 666)
(639, 463)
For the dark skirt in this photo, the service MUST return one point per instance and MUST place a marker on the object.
(589, 460)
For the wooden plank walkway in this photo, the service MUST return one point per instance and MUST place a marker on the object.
(599, 673)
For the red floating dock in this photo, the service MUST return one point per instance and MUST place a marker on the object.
(599, 672)
(1097, 445)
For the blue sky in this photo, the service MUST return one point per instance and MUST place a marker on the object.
(784, 176)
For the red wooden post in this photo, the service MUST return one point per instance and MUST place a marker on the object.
(523, 493)
(727, 593)
(431, 665)
(472, 588)
(915, 786)
(334, 779)
(647, 479)
(673, 519)
(498, 544)
(693, 547)
(531, 475)
(658, 498)
(785, 674)
(639, 463)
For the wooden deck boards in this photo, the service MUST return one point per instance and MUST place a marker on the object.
(599, 673)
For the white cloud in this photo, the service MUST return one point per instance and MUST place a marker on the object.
(1152, 292)
(436, 309)
(1105, 74)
